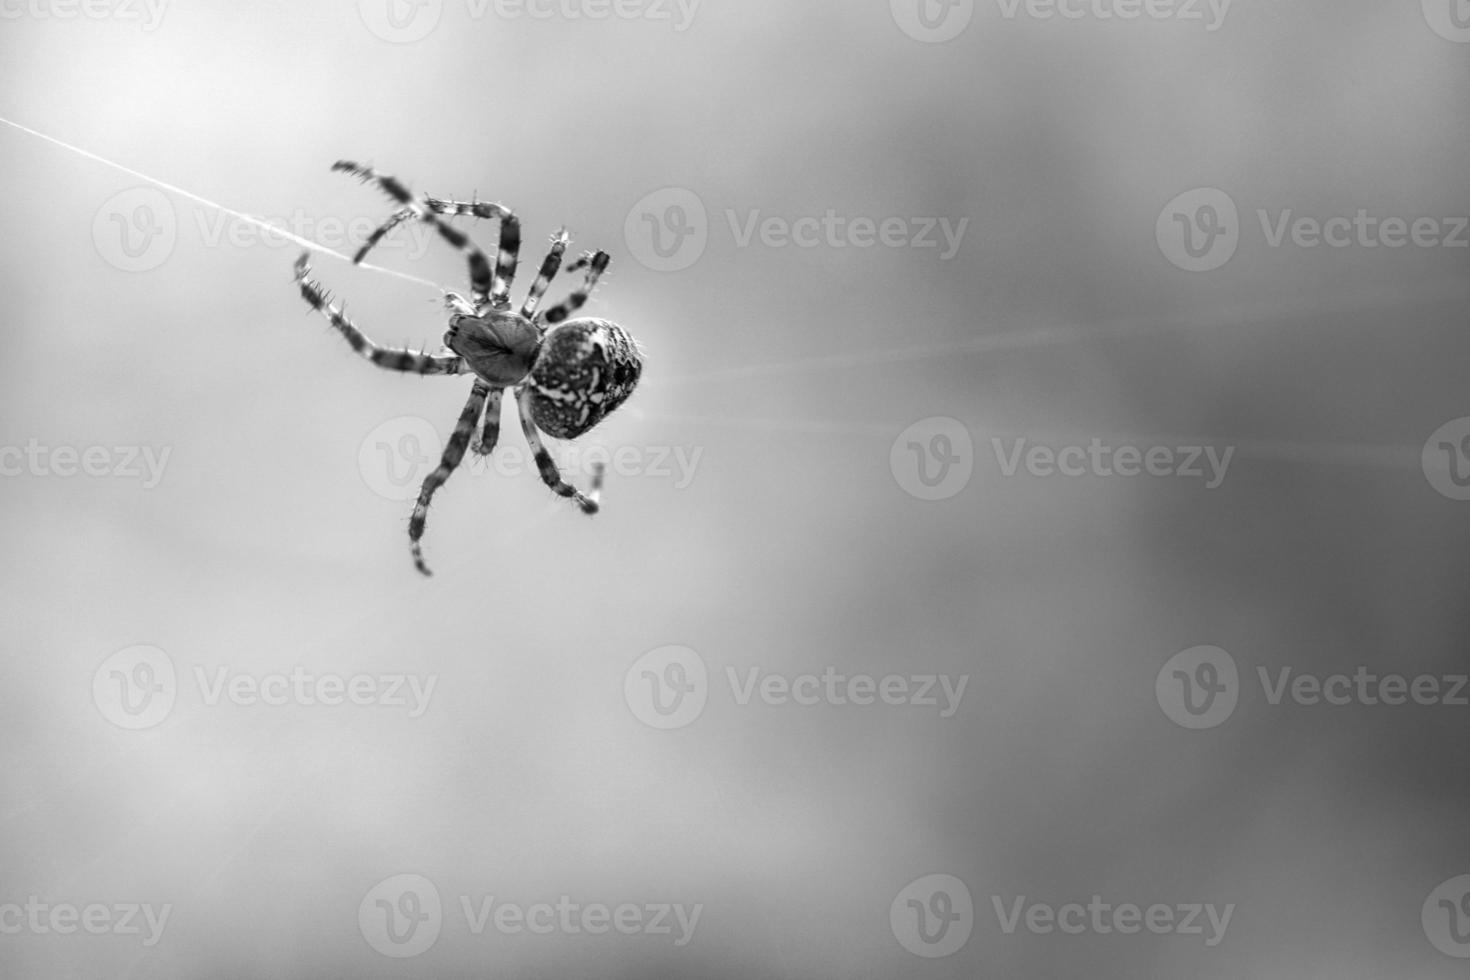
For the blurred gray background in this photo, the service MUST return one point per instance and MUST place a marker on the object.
(141, 319)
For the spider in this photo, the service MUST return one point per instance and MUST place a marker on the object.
(567, 374)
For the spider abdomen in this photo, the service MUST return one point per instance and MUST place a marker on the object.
(585, 369)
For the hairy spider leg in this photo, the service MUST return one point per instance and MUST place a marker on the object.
(389, 358)
(480, 276)
(549, 473)
(509, 255)
(490, 434)
(549, 267)
(394, 220)
(453, 454)
(596, 265)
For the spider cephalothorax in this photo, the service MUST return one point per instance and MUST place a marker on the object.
(568, 374)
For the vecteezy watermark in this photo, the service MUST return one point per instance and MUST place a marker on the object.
(135, 230)
(403, 916)
(833, 230)
(143, 463)
(1103, 918)
(1208, 13)
(406, 21)
(137, 688)
(147, 12)
(1450, 19)
(395, 457)
(400, 21)
(568, 917)
(807, 690)
(1200, 230)
(94, 918)
(1098, 459)
(669, 687)
(933, 459)
(679, 14)
(1446, 459)
(1446, 917)
(342, 235)
(669, 229)
(932, 916)
(932, 21)
(1200, 687)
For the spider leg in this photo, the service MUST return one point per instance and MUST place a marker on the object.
(394, 220)
(453, 454)
(480, 277)
(549, 473)
(490, 434)
(596, 264)
(549, 267)
(509, 255)
(389, 358)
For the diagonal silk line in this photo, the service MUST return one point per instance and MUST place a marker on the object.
(247, 218)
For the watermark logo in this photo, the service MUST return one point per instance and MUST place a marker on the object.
(933, 459)
(1450, 19)
(1199, 687)
(1204, 463)
(667, 688)
(401, 21)
(939, 691)
(135, 688)
(1364, 687)
(570, 917)
(148, 12)
(1363, 230)
(401, 916)
(143, 463)
(932, 21)
(303, 688)
(1210, 13)
(217, 229)
(933, 916)
(1199, 230)
(136, 230)
(95, 919)
(1105, 918)
(678, 13)
(667, 230)
(834, 230)
(1446, 917)
(395, 457)
(1446, 459)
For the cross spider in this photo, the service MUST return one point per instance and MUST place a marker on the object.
(568, 374)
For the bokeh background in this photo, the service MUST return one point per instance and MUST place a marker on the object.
(140, 318)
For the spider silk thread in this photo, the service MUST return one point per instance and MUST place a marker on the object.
(247, 218)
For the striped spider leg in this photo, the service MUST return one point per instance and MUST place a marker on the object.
(496, 292)
(453, 454)
(389, 358)
(566, 374)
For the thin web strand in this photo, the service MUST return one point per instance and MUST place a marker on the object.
(247, 218)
